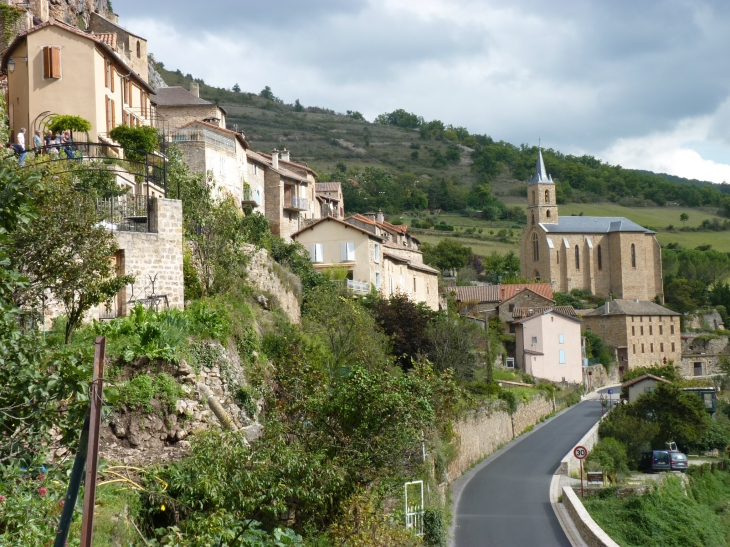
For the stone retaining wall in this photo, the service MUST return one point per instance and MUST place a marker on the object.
(270, 277)
(595, 376)
(589, 531)
(483, 431)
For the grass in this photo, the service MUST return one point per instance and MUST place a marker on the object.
(481, 248)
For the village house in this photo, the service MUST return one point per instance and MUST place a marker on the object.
(702, 352)
(365, 249)
(640, 334)
(53, 68)
(329, 196)
(177, 107)
(608, 256)
(548, 345)
(502, 300)
(129, 46)
(633, 389)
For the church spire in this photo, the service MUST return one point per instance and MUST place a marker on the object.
(540, 175)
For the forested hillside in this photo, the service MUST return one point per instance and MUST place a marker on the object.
(401, 162)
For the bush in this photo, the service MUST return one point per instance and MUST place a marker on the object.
(434, 529)
(609, 456)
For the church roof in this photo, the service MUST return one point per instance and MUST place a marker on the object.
(593, 225)
(540, 175)
(630, 307)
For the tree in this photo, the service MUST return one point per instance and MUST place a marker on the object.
(298, 106)
(63, 122)
(266, 93)
(635, 433)
(136, 141)
(448, 254)
(66, 252)
(454, 345)
(684, 217)
(236, 88)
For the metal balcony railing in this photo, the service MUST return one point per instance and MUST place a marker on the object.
(128, 213)
(296, 203)
(358, 287)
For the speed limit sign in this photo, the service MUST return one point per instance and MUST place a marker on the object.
(580, 452)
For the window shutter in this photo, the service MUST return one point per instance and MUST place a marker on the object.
(131, 93)
(106, 73)
(112, 75)
(343, 252)
(108, 116)
(377, 252)
(313, 252)
(114, 114)
(55, 62)
(46, 62)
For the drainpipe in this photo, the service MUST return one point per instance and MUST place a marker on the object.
(223, 417)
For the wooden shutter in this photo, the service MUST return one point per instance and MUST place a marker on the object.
(114, 114)
(108, 116)
(131, 93)
(107, 84)
(112, 75)
(51, 62)
(46, 62)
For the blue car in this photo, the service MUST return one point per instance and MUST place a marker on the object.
(656, 460)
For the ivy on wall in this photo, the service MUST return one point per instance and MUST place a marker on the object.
(9, 15)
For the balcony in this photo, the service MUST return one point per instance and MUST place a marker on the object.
(294, 203)
(358, 287)
(127, 213)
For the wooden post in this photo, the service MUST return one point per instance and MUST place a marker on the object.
(96, 397)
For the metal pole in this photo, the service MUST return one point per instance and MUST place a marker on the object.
(73, 487)
(581, 479)
(97, 400)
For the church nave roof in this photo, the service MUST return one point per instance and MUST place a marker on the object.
(593, 225)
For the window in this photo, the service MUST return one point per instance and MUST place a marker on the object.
(600, 258)
(648, 389)
(561, 339)
(377, 280)
(511, 308)
(316, 252)
(642, 331)
(535, 248)
(661, 347)
(108, 114)
(390, 281)
(139, 49)
(130, 94)
(347, 251)
(534, 339)
(651, 347)
(672, 347)
(255, 169)
(561, 355)
(698, 368)
(642, 348)
(633, 255)
(633, 331)
(577, 258)
(376, 253)
(651, 330)
(557, 254)
(114, 113)
(125, 91)
(533, 219)
(533, 201)
(671, 330)
(634, 349)
(548, 213)
(661, 329)
(52, 62)
(547, 196)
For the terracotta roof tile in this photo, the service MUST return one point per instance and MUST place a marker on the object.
(338, 221)
(520, 313)
(500, 293)
(109, 38)
(543, 289)
(644, 377)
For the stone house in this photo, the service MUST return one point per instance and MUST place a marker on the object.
(701, 353)
(222, 153)
(370, 258)
(177, 107)
(329, 196)
(129, 46)
(641, 334)
(53, 68)
(608, 256)
(633, 389)
(548, 346)
(501, 300)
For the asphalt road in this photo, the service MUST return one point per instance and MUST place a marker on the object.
(507, 502)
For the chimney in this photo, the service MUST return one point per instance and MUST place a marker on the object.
(608, 303)
(195, 88)
(285, 155)
(275, 158)
(380, 216)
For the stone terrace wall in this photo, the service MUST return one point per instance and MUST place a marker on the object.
(599, 377)
(268, 276)
(483, 431)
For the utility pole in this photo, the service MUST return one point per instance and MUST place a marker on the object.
(490, 364)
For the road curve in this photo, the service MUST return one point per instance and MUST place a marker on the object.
(506, 503)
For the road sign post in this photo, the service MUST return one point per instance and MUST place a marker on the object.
(580, 452)
(610, 392)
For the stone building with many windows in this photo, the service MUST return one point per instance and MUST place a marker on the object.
(641, 334)
(607, 256)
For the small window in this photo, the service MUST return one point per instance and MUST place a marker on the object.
(672, 347)
(139, 49)
(651, 347)
(661, 329)
(376, 253)
(535, 248)
(642, 331)
(698, 368)
(642, 348)
(633, 331)
(562, 356)
(651, 330)
(316, 252)
(561, 339)
(577, 258)
(377, 280)
(671, 330)
(511, 308)
(633, 255)
(634, 349)
(557, 255)
(648, 389)
(512, 328)
(600, 258)
(547, 198)
(347, 251)
(52, 62)
(661, 347)
(534, 339)
(548, 213)
(533, 219)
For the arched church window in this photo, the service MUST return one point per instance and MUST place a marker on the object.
(600, 258)
(533, 219)
(633, 255)
(535, 248)
(533, 196)
(548, 213)
(557, 254)
(537, 275)
(547, 196)
(577, 258)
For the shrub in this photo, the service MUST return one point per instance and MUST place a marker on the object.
(609, 456)
(434, 529)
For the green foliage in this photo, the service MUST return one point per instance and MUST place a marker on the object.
(64, 122)
(596, 349)
(434, 528)
(453, 344)
(716, 438)
(631, 430)
(446, 255)
(707, 266)
(136, 140)
(266, 93)
(400, 118)
(664, 515)
(668, 372)
(609, 456)
(138, 392)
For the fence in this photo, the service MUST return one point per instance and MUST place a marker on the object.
(128, 213)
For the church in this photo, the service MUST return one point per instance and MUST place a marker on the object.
(607, 256)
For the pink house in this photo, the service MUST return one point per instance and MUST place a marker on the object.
(548, 346)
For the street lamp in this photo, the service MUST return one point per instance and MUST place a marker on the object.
(11, 66)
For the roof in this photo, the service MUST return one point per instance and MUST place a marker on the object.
(120, 27)
(336, 220)
(238, 136)
(103, 46)
(540, 175)
(548, 311)
(409, 263)
(177, 96)
(258, 156)
(644, 377)
(328, 186)
(509, 291)
(109, 38)
(630, 307)
(292, 163)
(593, 225)
(519, 313)
(501, 293)
(480, 293)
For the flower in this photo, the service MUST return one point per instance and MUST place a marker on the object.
(42, 492)
(41, 477)
(62, 503)
(2, 499)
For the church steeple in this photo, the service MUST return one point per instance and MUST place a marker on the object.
(541, 199)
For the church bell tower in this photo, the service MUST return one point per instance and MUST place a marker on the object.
(542, 206)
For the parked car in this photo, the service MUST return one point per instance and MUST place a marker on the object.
(655, 460)
(678, 461)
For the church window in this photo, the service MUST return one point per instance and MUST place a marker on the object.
(533, 196)
(633, 255)
(535, 248)
(557, 254)
(633, 331)
(533, 219)
(577, 258)
(547, 196)
(537, 276)
(548, 213)
(600, 258)
(634, 348)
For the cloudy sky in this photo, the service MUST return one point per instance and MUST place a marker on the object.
(641, 83)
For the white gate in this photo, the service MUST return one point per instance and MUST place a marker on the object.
(414, 510)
